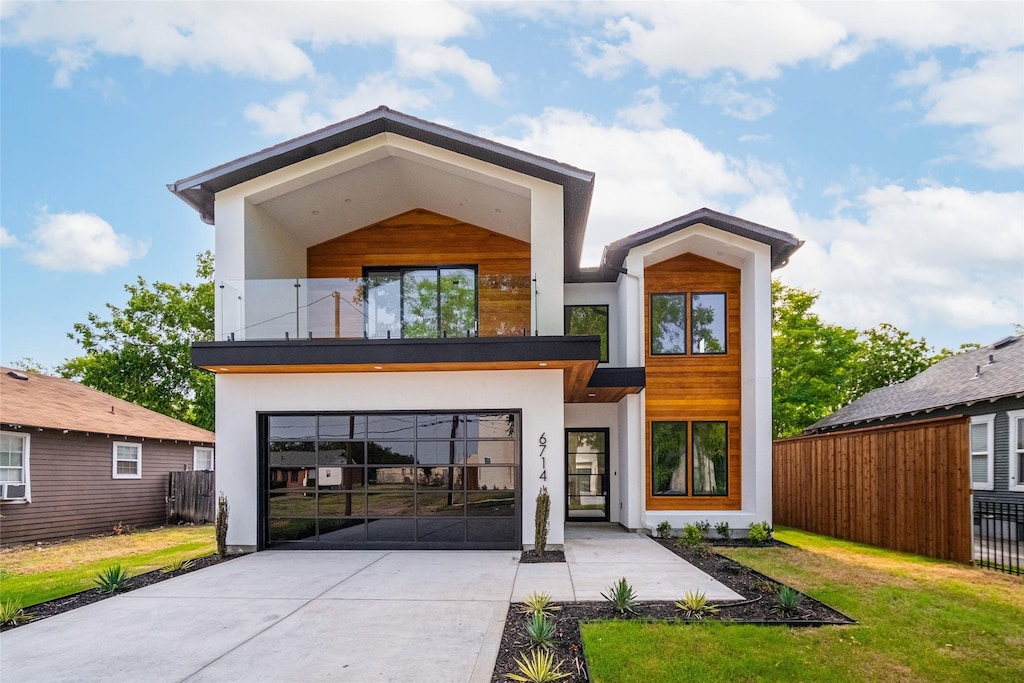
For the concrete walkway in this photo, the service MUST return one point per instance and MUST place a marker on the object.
(333, 615)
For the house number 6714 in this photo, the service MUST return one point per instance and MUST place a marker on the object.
(543, 443)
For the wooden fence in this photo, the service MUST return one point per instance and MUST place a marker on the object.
(191, 497)
(906, 487)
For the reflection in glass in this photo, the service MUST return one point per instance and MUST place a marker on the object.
(490, 478)
(447, 478)
(492, 503)
(292, 427)
(441, 530)
(449, 503)
(710, 461)
(292, 529)
(491, 452)
(589, 320)
(383, 305)
(491, 530)
(341, 453)
(342, 427)
(391, 426)
(441, 426)
(391, 530)
(347, 504)
(390, 452)
(668, 445)
(292, 505)
(391, 504)
(440, 452)
(668, 324)
(491, 426)
(708, 322)
(458, 302)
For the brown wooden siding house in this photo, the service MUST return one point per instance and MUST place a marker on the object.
(76, 461)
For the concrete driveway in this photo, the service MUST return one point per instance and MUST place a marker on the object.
(358, 616)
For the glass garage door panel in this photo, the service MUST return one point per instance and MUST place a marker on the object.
(399, 480)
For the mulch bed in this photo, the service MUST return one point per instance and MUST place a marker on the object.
(70, 602)
(758, 607)
(533, 557)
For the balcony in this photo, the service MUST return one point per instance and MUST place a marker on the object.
(409, 303)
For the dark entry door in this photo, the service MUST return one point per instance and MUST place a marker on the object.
(586, 467)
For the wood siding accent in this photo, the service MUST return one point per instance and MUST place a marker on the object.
(695, 387)
(424, 238)
(74, 494)
(904, 487)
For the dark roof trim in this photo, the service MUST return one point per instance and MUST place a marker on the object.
(782, 243)
(198, 191)
(618, 377)
(395, 351)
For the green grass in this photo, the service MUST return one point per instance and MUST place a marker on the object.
(920, 620)
(34, 575)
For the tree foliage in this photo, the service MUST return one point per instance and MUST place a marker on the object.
(141, 352)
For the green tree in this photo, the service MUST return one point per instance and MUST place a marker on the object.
(142, 352)
(888, 355)
(814, 363)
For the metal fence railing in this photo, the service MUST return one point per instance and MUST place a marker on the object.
(999, 536)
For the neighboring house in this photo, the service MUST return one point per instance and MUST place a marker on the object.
(74, 460)
(407, 348)
(986, 384)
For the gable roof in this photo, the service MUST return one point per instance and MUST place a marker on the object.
(198, 191)
(782, 243)
(963, 379)
(58, 403)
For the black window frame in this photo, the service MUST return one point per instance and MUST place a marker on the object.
(686, 458)
(400, 271)
(686, 323)
(689, 460)
(725, 323)
(693, 461)
(605, 338)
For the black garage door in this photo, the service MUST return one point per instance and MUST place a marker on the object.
(434, 480)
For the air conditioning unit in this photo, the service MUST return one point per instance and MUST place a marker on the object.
(12, 491)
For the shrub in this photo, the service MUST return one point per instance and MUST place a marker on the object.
(538, 667)
(622, 596)
(221, 526)
(696, 605)
(11, 612)
(723, 530)
(695, 533)
(539, 603)
(789, 600)
(664, 530)
(540, 631)
(759, 533)
(111, 579)
(540, 528)
(178, 566)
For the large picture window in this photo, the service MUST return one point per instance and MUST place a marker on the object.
(689, 458)
(588, 320)
(668, 324)
(707, 322)
(421, 302)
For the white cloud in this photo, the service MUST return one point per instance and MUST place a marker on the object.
(424, 60)
(263, 40)
(734, 102)
(299, 112)
(80, 242)
(647, 110)
(7, 239)
(644, 177)
(941, 256)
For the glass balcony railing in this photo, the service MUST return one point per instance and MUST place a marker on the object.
(396, 304)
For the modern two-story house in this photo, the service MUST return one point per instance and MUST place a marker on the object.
(407, 348)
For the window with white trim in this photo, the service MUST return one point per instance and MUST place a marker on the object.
(202, 458)
(127, 460)
(981, 451)
(14, 451)
(1016, 482)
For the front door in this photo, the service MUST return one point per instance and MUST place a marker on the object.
(586, 467)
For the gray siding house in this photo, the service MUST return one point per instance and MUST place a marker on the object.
(76, 461)
(986, 384)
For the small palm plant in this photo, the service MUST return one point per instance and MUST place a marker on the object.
(111, 579)
(178, 565)
(539, 603)
(695, 605)
(540, 631)
(538, 667)
(622, 596)
(11, 612)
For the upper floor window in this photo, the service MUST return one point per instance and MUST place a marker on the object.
(981, 451)
(1016, 482)
(420, 302)
(702, 313)
(586, 320)
(202, 458)
(127, 460)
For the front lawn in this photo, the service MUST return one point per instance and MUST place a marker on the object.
(34, 574)
(920, 620)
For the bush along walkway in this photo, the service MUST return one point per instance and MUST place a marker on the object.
(542, 640)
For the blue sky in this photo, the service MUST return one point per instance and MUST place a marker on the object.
(889, 136)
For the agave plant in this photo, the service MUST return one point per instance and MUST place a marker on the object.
(696, 605)
(540, 631)
(111, 579)
(178, 565)
(539, 603)
(537, 667)
(789, 600)
(11, 612)
(622, 596)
